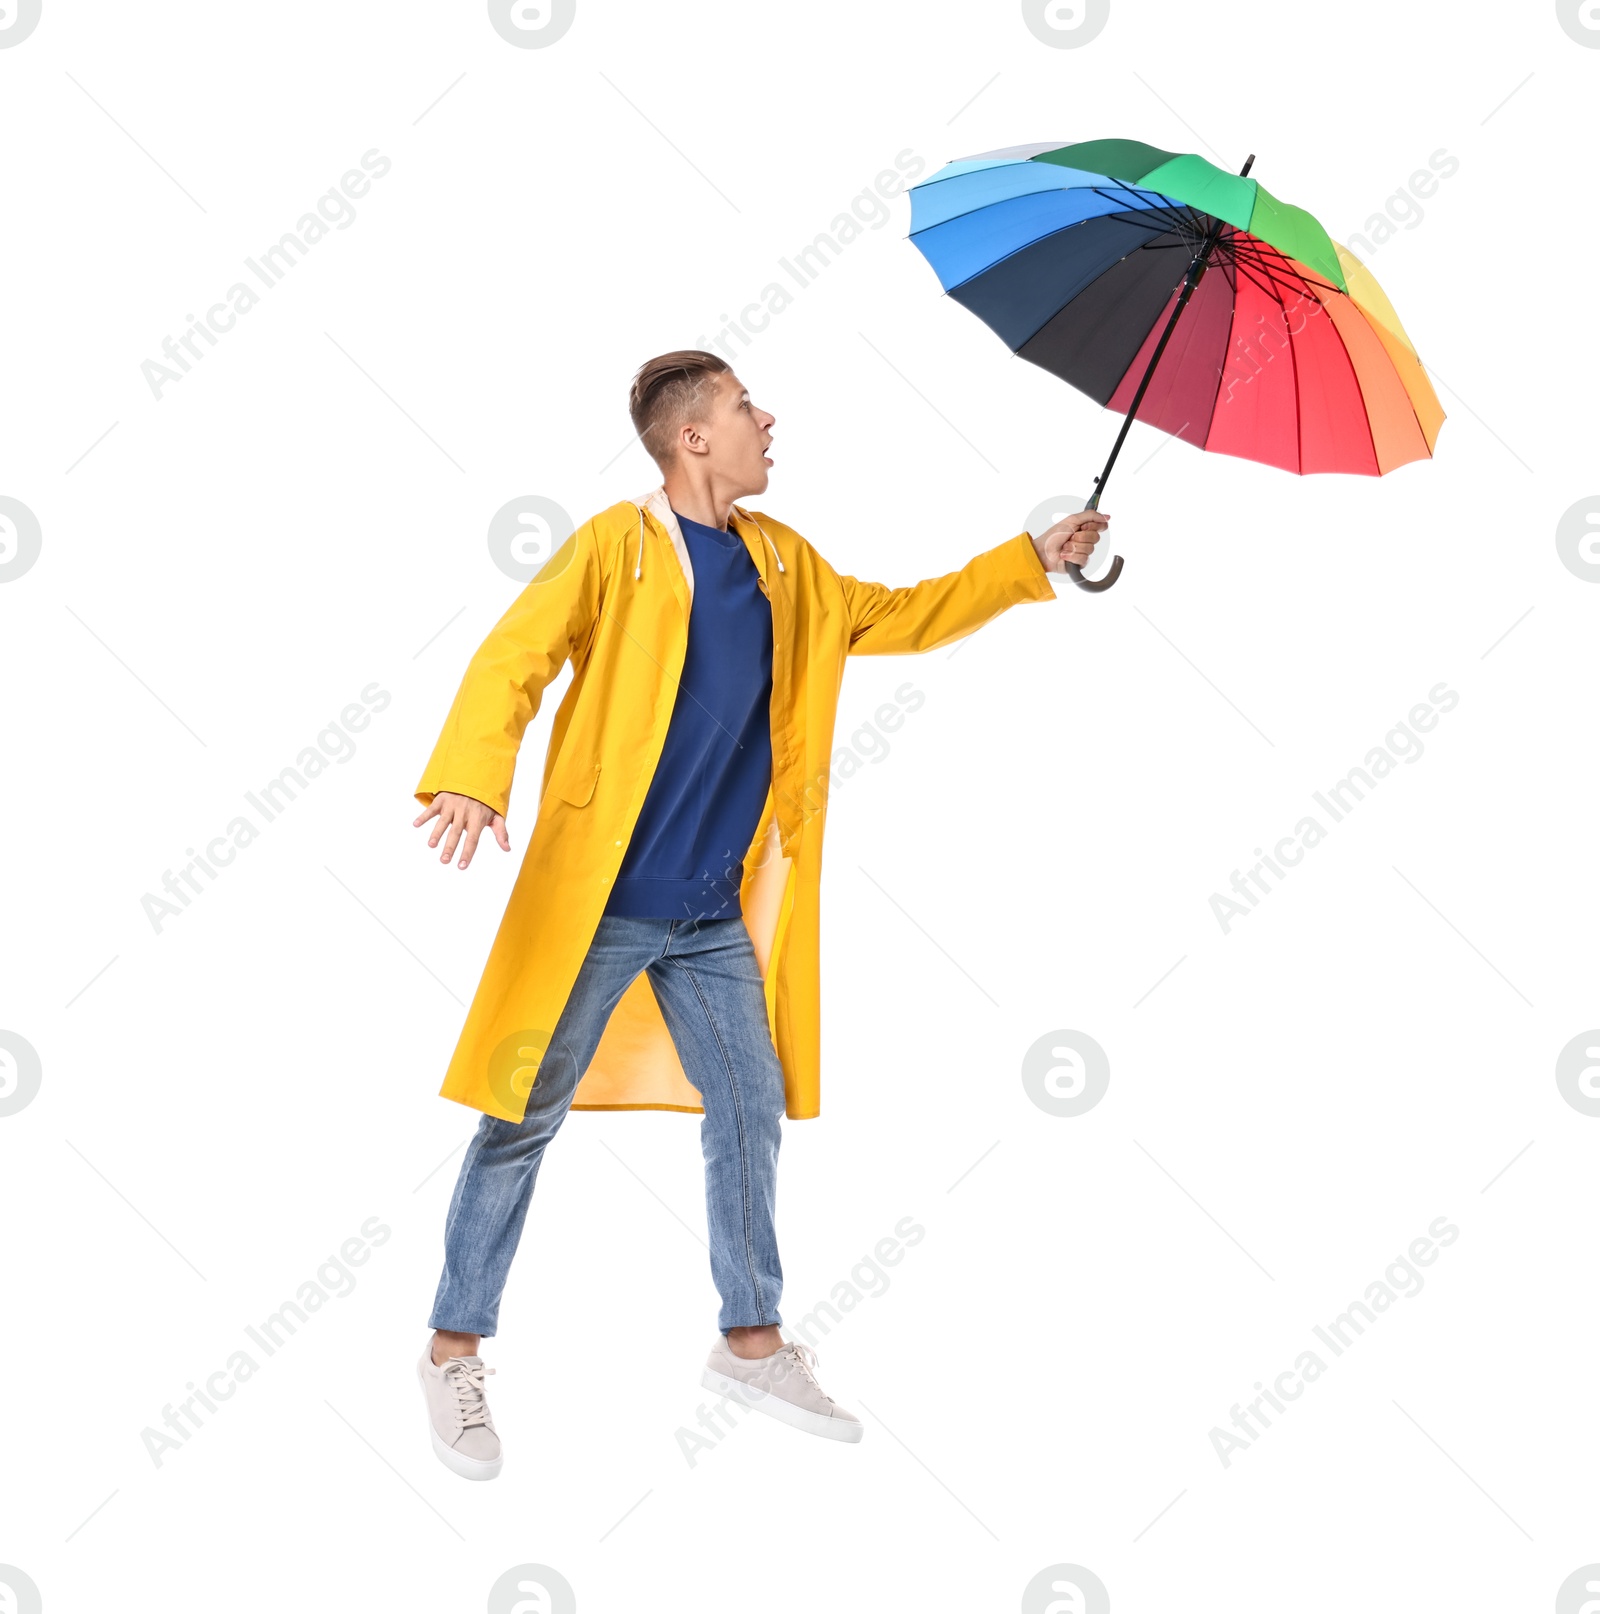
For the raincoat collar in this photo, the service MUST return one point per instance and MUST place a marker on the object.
(659, 506)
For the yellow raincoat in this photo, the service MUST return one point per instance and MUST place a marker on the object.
(615, 598)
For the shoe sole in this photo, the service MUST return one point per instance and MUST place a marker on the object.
(471, 1468)
(813, 1423)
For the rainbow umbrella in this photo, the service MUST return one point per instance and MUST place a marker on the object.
(1083, 258)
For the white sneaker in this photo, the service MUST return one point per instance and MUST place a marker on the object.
(459, 1420)
(783, 1385)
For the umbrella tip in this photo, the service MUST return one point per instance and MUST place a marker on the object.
(1247, 162)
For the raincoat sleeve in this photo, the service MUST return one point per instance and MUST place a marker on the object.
(938, 611)
(552, 619)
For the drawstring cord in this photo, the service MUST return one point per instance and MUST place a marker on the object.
(770, 545)
(638, 563)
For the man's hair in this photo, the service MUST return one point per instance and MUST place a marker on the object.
(668, 391)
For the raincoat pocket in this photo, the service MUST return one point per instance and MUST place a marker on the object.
(577, 786)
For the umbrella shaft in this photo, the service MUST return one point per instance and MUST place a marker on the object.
(1191, 279)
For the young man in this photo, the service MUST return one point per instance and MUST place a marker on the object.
(659, 950)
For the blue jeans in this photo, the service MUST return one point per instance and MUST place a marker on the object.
(709, 986)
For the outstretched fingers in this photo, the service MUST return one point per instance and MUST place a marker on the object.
(452, 823)
(461, 820)
(478, 819)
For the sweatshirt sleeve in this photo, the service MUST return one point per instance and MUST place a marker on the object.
(551, 620)
(923, 616)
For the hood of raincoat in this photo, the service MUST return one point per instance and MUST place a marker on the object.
(613, 600)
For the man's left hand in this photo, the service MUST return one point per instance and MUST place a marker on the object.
(1072, 539)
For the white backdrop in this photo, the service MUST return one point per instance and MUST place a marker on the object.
(289, 545)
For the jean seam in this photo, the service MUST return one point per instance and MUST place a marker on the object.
(738, 1112)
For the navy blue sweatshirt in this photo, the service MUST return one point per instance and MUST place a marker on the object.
(686, 857)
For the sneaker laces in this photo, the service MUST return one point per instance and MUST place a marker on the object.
(466, 1380)
(806, 1360)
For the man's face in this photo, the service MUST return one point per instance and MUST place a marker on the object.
(735, 435)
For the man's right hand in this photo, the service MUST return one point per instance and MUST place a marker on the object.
(458, 816)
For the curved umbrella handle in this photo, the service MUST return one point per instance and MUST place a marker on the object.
(1100, 584)
(1097, 585)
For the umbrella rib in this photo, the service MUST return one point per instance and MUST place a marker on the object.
(1160, 224)
(967, 212)
(1269, 287)
(1274, 259)
(1270, 283)
(1175, 221)
(1266, 259)
(1077, 224)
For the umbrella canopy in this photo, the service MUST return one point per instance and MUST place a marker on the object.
(1083, 258)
